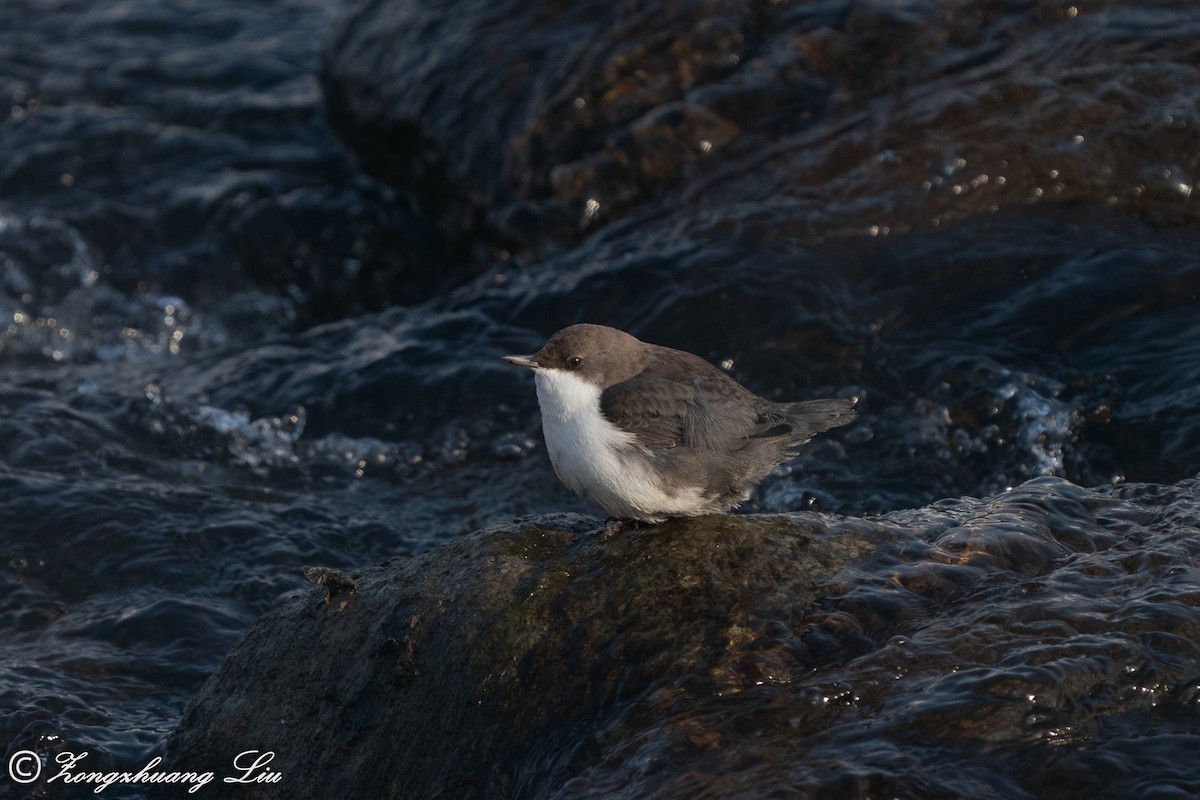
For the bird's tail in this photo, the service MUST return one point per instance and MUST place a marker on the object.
(810, 417)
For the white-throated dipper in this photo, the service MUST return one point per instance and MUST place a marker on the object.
(648, 432)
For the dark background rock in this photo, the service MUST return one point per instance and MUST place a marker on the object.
(795, 122)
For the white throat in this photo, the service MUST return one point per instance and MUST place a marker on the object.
(595, 458)
(563, 395)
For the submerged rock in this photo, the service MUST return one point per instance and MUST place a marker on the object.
(739, 656)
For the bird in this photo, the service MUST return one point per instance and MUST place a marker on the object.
(647, 432)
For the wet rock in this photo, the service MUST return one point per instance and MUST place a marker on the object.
(492, 665)
(740, 655)
(336, 582)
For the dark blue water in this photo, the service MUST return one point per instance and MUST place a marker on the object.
(227, 352)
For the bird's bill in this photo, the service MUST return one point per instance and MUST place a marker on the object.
(522, 361)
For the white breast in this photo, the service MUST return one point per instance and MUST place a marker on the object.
(598, 460)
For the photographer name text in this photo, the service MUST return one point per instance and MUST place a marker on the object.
(249, 766)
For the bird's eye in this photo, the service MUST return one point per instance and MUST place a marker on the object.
(574, 361)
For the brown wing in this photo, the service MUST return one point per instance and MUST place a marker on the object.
(708, 413)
